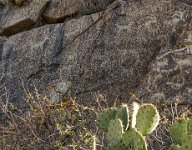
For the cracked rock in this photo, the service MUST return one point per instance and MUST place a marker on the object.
(15, 19)
(170, 77)
(60, 10)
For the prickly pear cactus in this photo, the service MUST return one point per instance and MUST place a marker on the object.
(179, 130)
(115, 121)
(127, 138)
(133, 139)
(190, 126)
(187, 142)
(147, 119)
(114, 132)
(181, 133)
(134, 110)
(175, 147)
(123, 114)
(105, 117)
(119, 146)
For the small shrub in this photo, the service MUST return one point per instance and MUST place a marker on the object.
(47, 126)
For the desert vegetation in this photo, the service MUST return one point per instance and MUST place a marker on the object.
(69, 125)
(123, 133)
(45, 125)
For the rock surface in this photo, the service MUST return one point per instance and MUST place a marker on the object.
(16, 19)
(60, 10)
(2, 41)
(170, 77)
(104, 53)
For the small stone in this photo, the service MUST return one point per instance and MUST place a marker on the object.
(54, 97)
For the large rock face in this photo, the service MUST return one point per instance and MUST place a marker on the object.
(105, 53)
(170, 75)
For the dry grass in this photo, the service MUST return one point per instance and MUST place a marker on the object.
(47, 126)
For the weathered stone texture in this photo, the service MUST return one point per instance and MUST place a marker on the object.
(101, 53)
(189, 2)
(14, 19)
(60, 10)
(23, 63)
(2, 41)
(170, 77)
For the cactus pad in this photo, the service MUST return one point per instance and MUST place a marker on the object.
(128, 137)
(132, 138)
(119, 146)
(135, 108)
(187, 142)
(123, 114)
(175, 147)
(179, 130)
(105, 117)
(147, 119)
(115, 131)
(190, 126)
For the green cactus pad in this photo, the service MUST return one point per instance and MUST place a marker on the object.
(128, 137)
(135, 108)
(179, 130)
(132, 138)
(123, 114)
(147, 119)
(114, 132)
(190, 126)
(105, 117)
(187, 142)
(175, 147)
(119, 146)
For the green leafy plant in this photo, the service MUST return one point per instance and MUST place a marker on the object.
(124, 133)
